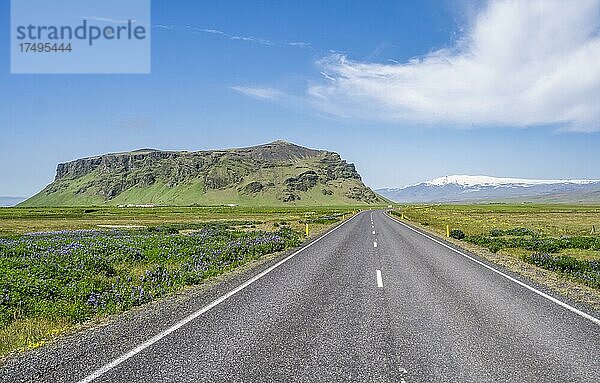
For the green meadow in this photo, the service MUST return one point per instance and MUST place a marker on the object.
(23, 220)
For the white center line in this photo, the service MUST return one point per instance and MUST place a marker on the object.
(374, 244)
(379, 279)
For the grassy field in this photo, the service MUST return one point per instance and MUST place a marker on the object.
(552, 220)
(562, 240)
(24, 220)
(60, 267)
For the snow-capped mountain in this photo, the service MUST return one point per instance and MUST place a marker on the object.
(464, 188)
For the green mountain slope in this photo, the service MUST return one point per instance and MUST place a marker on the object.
(275, 174)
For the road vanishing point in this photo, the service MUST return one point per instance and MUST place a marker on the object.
(373, 300)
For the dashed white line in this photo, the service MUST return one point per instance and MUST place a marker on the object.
(373, 232)
(379, 279)
(109, 366)
(374, 244)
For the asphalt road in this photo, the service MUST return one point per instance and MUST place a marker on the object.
(373, 301)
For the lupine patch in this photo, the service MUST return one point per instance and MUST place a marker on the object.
(545, 251)
(586, 271)
(82, 273)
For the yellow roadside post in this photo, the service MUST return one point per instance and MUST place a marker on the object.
(447, 230)
(402, 216)
(307, 229)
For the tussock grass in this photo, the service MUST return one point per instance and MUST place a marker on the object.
(30, 333)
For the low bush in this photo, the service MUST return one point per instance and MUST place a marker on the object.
(457, 234)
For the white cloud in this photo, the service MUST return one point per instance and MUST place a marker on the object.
(259, 92)
(520, 63)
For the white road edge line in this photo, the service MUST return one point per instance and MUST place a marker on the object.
(532, 289)
(379, 279)
(107, 367)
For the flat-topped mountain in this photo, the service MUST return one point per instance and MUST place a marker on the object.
(278, 173)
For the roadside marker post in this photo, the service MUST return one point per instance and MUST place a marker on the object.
(447, 231)
(307, 229)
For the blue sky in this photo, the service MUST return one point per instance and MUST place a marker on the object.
(375, 82)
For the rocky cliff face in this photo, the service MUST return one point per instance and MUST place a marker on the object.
(281, 170)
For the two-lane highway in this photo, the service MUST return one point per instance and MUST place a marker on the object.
(372, 301)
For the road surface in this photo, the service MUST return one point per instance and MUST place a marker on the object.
(372, 301)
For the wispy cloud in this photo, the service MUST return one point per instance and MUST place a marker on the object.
(164, 26)
(259, 92)
(300, 44)
(520, 63)
(108, 20)
(237, 37)
(229, 36)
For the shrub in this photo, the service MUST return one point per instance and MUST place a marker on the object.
(493, 244)
(457, 234)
